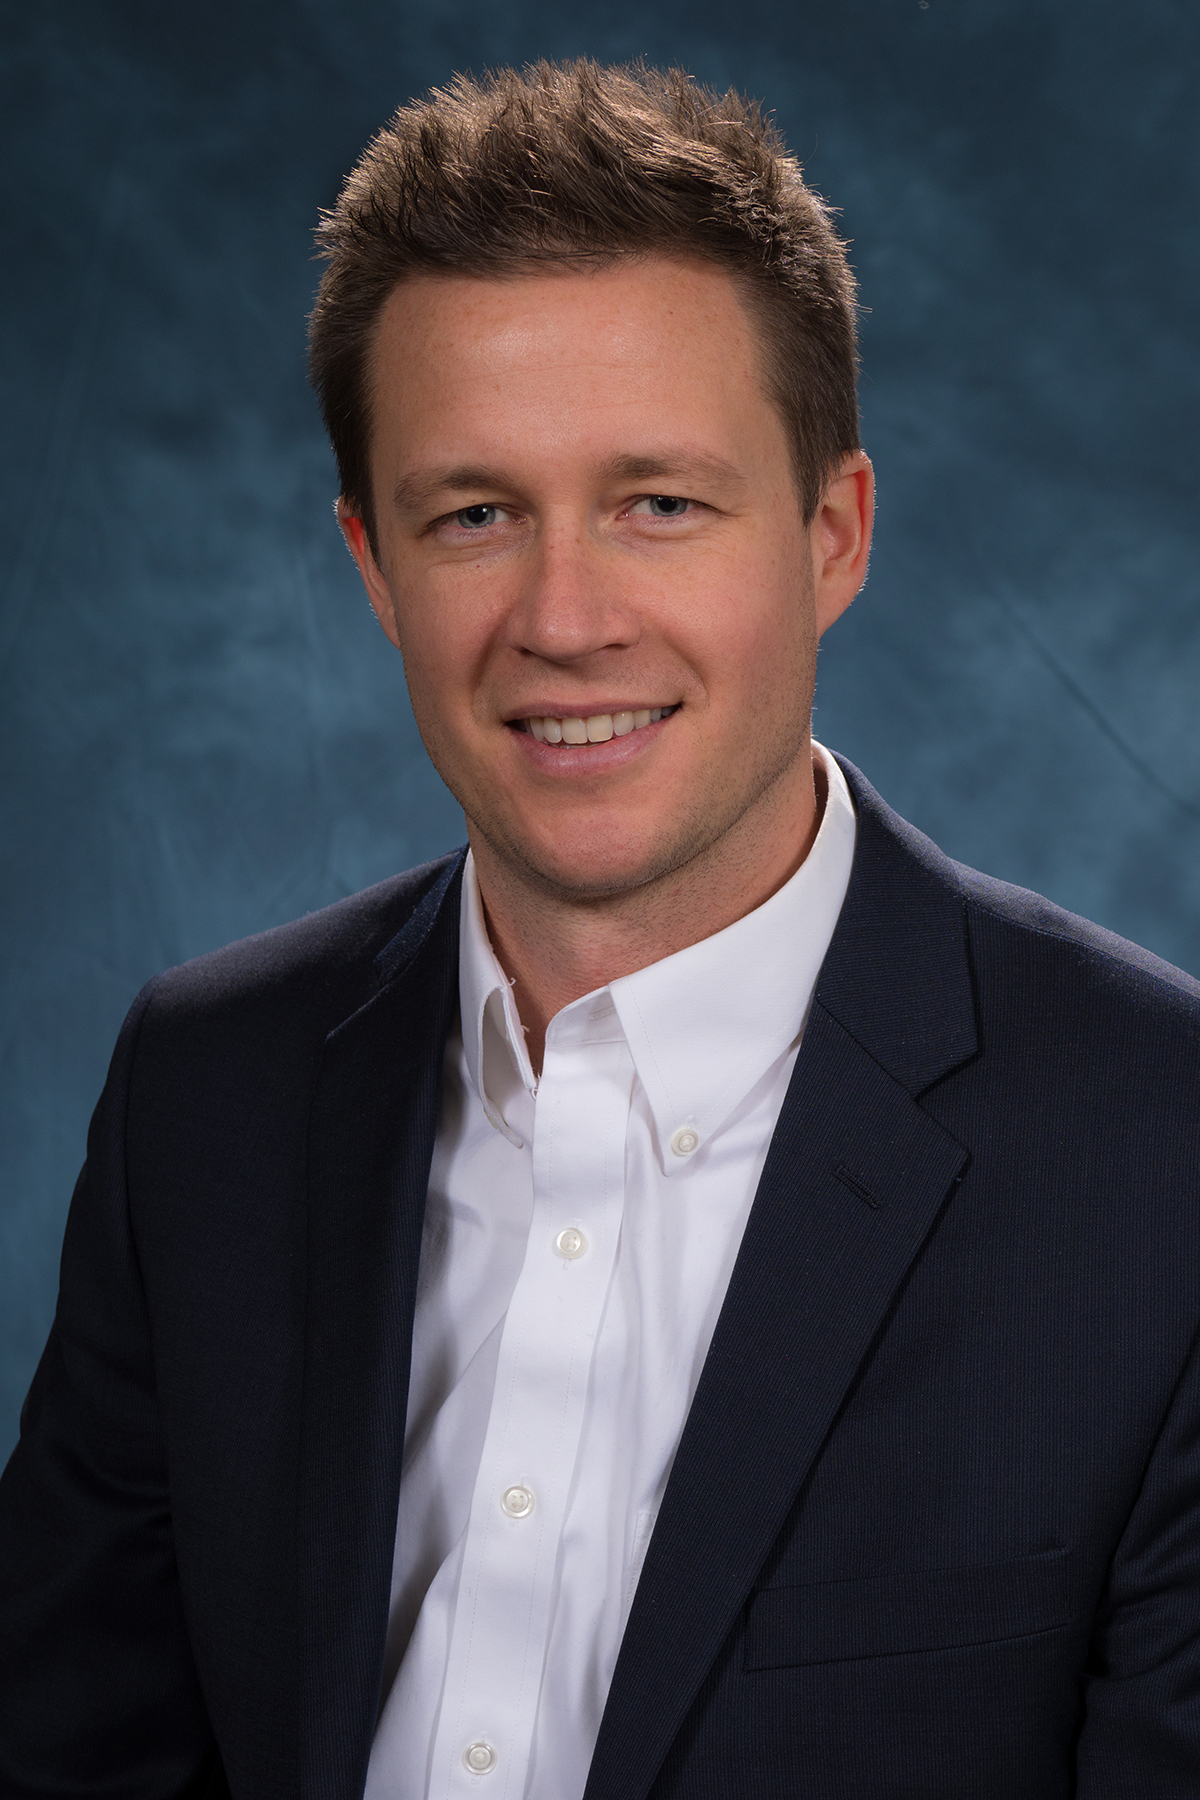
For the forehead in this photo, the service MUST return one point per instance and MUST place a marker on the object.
(568, 356)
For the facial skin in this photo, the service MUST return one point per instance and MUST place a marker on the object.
(585, 506)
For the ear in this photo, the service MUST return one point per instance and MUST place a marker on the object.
(840, 536)
(359, 546)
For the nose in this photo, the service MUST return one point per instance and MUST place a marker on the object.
(570, 604)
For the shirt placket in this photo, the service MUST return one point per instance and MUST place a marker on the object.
(502, 1618)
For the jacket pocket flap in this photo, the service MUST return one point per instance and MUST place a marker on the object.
(924, 1609)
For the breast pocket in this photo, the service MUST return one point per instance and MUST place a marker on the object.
(891, 1615)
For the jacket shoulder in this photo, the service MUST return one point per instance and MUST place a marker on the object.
(325, 962)
(1041, 974)
(1020, 924)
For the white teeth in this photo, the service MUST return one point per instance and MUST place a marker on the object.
(597, 728)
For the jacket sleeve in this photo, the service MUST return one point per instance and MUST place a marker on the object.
(98, 1692)
(1141, 1729)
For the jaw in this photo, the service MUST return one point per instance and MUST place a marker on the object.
(717, 790)
(585, 837)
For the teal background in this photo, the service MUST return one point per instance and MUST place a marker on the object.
(202, 730)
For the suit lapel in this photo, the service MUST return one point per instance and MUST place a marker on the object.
(854, 1180)
(370, 1144)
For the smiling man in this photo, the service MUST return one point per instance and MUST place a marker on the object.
(616, 683)
(697, 1294)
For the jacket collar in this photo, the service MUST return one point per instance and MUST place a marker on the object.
(897, 975)
(855, 1180)
(373, 1122)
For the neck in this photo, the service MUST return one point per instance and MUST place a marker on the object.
(556, 948)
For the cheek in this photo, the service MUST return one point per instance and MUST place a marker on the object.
(761, 633)
(444, 640)
(429, 675)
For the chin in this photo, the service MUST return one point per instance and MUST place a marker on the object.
(592, 878)
(587, 869)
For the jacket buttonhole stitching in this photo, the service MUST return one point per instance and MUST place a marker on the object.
(850, 1180)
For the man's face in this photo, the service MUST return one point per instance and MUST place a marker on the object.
(586, 512)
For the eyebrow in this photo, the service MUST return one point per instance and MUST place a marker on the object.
(413, 492)
(671, 465)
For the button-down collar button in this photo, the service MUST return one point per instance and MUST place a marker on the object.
(685, 1141)
(518, 1504)
(480, 1758)
(570, 1243)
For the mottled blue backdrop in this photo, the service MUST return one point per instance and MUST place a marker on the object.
(203, 731)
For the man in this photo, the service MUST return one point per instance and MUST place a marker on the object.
(696, 1297)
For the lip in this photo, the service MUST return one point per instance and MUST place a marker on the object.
(570, 761)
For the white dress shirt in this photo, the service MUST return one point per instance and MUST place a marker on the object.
(579, 1237)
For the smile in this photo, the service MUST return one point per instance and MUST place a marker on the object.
(597, 728)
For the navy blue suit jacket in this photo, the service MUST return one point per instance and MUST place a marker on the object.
(933, 1529)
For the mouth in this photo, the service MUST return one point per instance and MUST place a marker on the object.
(595, 728)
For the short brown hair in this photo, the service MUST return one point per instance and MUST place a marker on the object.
(577, 164)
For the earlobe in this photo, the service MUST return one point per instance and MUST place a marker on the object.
(842, 538)
(359, 546)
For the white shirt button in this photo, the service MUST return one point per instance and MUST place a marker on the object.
(479, 1757)
(518, 1504)
(570, 1243)
(685, 1141)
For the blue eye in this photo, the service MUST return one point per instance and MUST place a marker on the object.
(667, 506)
(476, 518)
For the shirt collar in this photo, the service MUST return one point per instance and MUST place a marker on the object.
(493, 1038)
(702, 1026)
